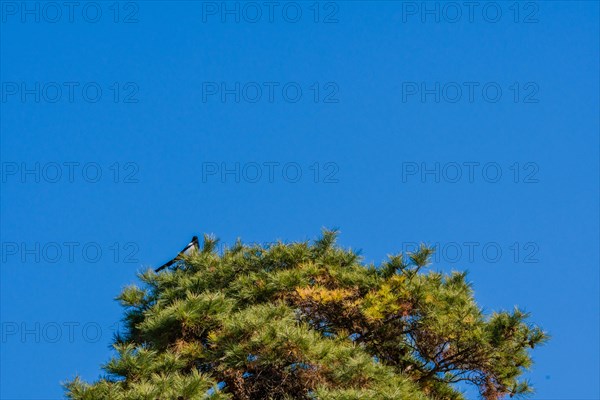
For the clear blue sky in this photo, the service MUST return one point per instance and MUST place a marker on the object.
(406, 117)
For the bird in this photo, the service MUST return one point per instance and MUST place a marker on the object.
(191, 247)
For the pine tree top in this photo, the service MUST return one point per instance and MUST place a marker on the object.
(308, 320)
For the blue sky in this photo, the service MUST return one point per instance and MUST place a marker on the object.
(128, 127)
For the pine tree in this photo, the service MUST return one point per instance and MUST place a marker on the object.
(308, 320)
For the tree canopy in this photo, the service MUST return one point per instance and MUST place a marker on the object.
(309, 320)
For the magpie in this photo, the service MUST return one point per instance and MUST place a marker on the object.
(187, 250)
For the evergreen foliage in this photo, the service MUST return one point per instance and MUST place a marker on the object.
(309, 321)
